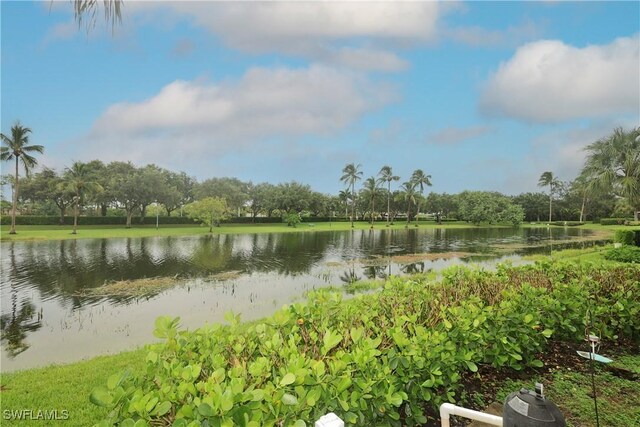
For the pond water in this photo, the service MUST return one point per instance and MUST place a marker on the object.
(53, 311)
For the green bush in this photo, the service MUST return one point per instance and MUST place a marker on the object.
(376, 359)
(568, 223)
(626, 237)
(615, 221)
(629, 254)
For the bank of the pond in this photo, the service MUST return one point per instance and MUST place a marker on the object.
(55, 232)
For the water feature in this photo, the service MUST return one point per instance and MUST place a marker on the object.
(51, 312)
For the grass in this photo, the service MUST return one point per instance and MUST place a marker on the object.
(56, 232)
(63, 388)
(618, 398)
(594, 253)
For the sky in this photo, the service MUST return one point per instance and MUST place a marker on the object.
(479, 95)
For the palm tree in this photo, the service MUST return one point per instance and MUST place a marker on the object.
(112, 11)
(547, 178)
(350, 174)
(79, 181)
(386, 175)
(614, 163)
(420, 179)
(344, 197)
(408, 193)
(16, 147)
(371, 191)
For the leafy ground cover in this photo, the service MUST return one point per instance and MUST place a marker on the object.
(388, 358)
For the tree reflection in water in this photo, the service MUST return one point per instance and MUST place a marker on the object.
(16, 325)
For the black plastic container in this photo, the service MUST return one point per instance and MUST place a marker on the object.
(526, 408)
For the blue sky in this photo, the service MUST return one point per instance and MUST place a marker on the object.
(481, 95)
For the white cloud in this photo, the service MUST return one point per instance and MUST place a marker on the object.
(549, 81)
(206, 119)
(332, 32)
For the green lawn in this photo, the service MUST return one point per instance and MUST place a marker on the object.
(56, 232)
(63, 388)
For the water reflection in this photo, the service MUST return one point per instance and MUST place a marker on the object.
(44, 294)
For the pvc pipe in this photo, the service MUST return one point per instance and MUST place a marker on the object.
(447, 409)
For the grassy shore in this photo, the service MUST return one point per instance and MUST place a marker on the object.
(56, 232)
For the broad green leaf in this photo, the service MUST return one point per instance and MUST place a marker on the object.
(205, 410)
(299, 423)
(472, 366)
(537, 363)
(101, 397)
(547, 333)
(287, 379)
(289, 399)
(162, 408)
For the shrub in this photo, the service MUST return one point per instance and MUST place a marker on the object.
(629, 254)
(568, 223)
(615, 221)
(626, 237)
(376, 359)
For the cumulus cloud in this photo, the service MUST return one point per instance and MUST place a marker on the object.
(455, 135)
(550, 81)
(332, 32)
(215, 118)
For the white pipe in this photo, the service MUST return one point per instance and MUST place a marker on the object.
(447, 409)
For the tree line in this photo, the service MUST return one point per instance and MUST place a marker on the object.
(608, 185)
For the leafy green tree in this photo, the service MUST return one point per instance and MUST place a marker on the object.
(151, 187)
(371, 191)
(386, 175)
(614, 163)
(490, 207)
(350, 174)
(442, 205)
(292, 219)
(79, 181)
(124, 187)
(48, 186)
(549, 179)
(210, 211)
(16, 146)
(533, 204)
(260, 196)
(420, 179)
(234, 191)
(408, 194)
(100, 174)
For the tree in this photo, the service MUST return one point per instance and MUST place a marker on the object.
(370, 192)
(386, 175)
(350, 174)
(614, 163)
(548, 179)
(17, 147)
(344, 197)
(125, 188)
(408, 193)
(210, 211)
(534, 205)
(89, 8)
(234, 191)
(488, 206)
(420, 179)
(79, 181)
(48, 186)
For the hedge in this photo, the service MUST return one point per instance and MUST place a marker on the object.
(92, 220)
(626, 237)
(568, 223)
(615, 221)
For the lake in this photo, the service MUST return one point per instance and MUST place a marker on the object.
(55, 310)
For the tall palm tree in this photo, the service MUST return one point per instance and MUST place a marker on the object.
(350, 174)
(614, 163)
(17, 147)
(371, 190)
(548, 179)
(79, 181)
(420, 179)
(408, 193)
(386, 175)
(344, 197)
